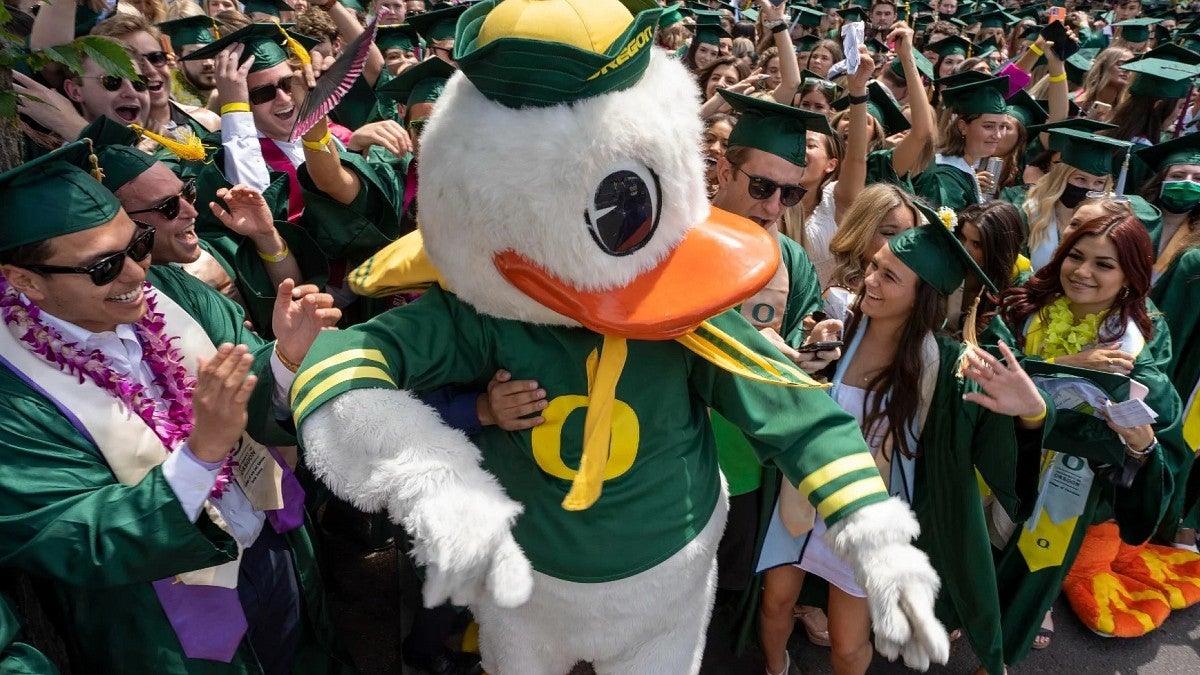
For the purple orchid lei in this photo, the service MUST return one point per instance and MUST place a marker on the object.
(172, 423)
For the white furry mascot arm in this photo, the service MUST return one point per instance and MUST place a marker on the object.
(900, 583)
(380, 448)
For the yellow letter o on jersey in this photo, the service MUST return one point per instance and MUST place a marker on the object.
(547, 438)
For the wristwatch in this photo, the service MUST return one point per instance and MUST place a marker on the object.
(776, 26)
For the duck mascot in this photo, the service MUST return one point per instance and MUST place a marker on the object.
(562, 203)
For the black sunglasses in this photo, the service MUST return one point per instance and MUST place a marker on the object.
(266, 93)
(105, 270)
(415, 126)
(764, 188)
(155, 59)
(113, 83)
(169, 207)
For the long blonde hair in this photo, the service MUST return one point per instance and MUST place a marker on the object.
(1096, 78)
(1041, 199)
(852, 241)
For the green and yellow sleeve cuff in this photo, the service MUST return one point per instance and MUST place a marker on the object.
(843, 486)
(330, 371)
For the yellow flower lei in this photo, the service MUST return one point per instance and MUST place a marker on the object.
(1063, 335)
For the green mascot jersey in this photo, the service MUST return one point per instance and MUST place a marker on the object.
(99, 544)
(661, 480)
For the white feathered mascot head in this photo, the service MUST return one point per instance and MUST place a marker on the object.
(561, 180)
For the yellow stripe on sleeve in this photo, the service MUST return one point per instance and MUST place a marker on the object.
(850, 494)
(357, 372)
(325, 364)
(834, 470)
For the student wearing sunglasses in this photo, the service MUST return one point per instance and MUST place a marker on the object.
(139, 478)
(96, 93)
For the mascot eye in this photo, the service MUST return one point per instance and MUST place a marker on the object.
(624, 209)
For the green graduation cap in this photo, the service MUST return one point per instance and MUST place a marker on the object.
(123, 163)
(830, 4)
(190, 30)
(1136, 30)
(807, 16)
(709, 29)
(996, 19)
(523, 52)
(1182, 150)
(438, 24)
(936, 255)
(882, 107)
(1078, 64)
(965, 77)
(750, 15)
(1083, 124)
(353, 5)
(805, 43)
(399, 36)
(1088, 152)
(978, 98)
(1031, 31)
(422, 83)
(954, 44)
(876, 47)
(924, 67)
(1032, 12)
(1160, 78)
(1078, 432)
(272, 7)
(1026, 110)
(1174, 52)
(853, 14)
(264, 41)
(987, 47)
(51, 196)
(780, 130)
(672, 14)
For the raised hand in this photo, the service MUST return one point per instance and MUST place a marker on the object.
(387, 134)
(47, 107)
(247, 212)
(1007, 389)
(231, 77)
(223, 387)
(300, 314)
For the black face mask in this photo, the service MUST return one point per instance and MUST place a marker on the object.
(946, 16)
(1072, 195)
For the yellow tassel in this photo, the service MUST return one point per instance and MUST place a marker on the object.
(969, 336)
(298, 51)
(216, 30)
(96, 171)
(190, 149)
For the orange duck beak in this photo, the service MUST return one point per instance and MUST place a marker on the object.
(719, 263)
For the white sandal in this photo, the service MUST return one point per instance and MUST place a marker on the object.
(787, 665)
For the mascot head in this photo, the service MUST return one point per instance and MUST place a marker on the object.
(561, 179)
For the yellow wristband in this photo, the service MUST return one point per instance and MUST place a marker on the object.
(1032, 420)
(1036, 49)
(236, 106)
(277, 257)
(321, 145)
(1061, 77)
(290, 365)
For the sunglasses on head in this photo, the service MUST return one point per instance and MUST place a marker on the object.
(266, 93)
(155, 59)
(169, 207)
(113, 83)
(105, 270)
(764, 188)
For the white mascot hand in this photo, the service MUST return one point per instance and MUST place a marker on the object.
(900, 583)
(380, 448)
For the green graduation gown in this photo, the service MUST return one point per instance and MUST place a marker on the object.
(18, 658)
(881, 170)
(1138, 510)
(98, 544)
(946, 185)
(1175, 293)
(671, 485)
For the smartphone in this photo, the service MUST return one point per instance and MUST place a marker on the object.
(819, 346)
(1064, 46)
(1098, 109)
(1057, 14)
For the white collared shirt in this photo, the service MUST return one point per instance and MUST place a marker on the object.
(190, 479)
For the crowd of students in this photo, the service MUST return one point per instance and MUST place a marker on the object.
(974, 203)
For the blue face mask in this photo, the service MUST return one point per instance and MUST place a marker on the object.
(1179, 196)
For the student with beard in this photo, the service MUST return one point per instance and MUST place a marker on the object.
(192, 82)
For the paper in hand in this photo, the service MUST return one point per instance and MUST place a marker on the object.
(852, 39)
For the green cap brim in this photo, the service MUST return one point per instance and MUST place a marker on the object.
(272, 7)
(439, 24)
(1080, 433)
(780, 130)
(978, 98)
(1089, 152)
(936, 255)
(51, 196)
(882, 107)
(1026, 110)
(190, 30)
(422, 83)
(400, 36)
(1160, 78)
(1182, 150)
(517, 71)
(263, 41)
